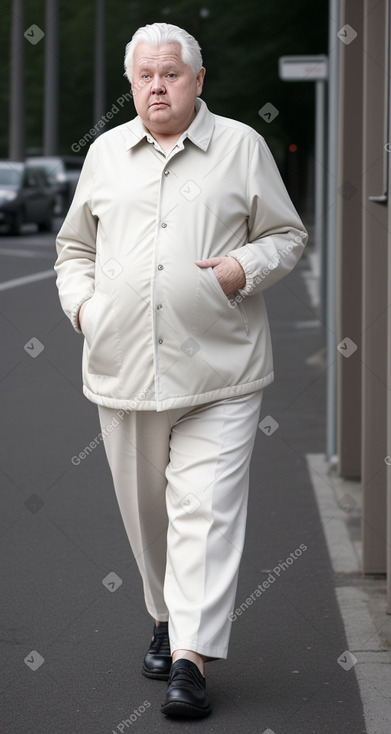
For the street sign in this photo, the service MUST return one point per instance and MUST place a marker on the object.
(303, 68)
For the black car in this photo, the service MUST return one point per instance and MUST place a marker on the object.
(63, 174)
(25, 196)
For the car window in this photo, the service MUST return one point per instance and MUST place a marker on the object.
(9, 177)
(31, 177)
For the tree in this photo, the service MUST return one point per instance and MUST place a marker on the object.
(241, 43)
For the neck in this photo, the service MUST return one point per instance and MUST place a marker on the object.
(168, 140)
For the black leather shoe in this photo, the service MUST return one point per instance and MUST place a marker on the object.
(186, 695)
(157, 662)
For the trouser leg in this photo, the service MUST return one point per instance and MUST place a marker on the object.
(207, 492)
(138, 453)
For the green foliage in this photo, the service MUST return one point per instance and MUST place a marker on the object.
(241, 43)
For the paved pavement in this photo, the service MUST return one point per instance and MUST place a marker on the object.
(73, 625)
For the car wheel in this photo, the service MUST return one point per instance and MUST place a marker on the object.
(16, 223)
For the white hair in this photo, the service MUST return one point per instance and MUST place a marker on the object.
(159, 34)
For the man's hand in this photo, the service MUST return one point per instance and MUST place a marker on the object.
(81, 311)
(228, 272)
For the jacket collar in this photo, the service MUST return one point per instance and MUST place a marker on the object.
(199, 132)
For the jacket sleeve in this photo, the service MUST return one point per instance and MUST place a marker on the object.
(76, 247)
(276, 234)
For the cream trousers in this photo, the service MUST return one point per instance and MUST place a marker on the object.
(181, 478)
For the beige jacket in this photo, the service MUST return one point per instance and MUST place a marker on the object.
(159, 331)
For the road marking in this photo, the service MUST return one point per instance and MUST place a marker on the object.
(24, 253)
(307, 324)
(16, 282)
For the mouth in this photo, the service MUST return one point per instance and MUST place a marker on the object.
(159, 104)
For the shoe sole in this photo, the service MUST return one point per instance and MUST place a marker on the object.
(155, 676)
(184, 710)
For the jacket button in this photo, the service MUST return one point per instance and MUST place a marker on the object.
(160, 341)
(164, 224)
(166, 172)
(159, 306)
(160, 267)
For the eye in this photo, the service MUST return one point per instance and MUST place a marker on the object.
(171, 75)
(145, 76)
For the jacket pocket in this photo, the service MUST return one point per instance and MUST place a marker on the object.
(242, 311)
(102, 337)
(239, 306)
(217, 314)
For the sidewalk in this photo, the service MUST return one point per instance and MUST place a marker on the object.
(361, 599)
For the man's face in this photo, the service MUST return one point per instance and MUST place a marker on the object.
(164, 88)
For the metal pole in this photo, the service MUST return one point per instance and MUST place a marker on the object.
(16, 113)
(388, 182)
(50, 123)
(331, 311)
(50, 135)
(100, 58)
(320, 229)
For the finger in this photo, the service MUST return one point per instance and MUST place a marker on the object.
(210, 262)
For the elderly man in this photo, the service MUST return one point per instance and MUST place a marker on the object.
(180, 220)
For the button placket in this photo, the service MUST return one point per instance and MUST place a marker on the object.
(158, 283)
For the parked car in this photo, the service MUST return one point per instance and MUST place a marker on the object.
(25, 196)
(63, 173)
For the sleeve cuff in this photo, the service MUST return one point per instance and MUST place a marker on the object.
(249, 286)
(75, 312)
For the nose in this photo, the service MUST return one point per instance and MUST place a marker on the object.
(158, 86)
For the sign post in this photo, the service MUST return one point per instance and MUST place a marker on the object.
(314, 69)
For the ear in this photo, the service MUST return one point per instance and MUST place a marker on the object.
(200, 80)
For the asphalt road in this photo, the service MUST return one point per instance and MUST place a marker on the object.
(73, 625)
